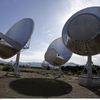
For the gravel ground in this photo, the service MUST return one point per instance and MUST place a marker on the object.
(33, 85)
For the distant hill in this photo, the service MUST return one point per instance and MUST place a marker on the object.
(31, 64)
(70, 64)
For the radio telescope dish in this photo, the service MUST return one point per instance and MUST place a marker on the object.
(81, 34)
(57, 54)
(16, 38)
(83, 25)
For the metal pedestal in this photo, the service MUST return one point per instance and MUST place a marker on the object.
(89, 80)
(15, 67)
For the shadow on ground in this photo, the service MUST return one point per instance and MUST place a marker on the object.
(40, 87)
(95, 90)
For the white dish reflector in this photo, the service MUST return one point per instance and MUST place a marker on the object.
(16, 38)
(57, 54)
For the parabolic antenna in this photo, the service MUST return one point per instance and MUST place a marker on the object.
(16, 38)
(83, 25)
(81, 32)
(57, 54)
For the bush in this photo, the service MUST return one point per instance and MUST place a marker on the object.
(7, 68)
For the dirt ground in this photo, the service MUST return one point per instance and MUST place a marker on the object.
(33, 85)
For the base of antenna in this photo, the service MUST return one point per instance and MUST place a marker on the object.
(16, 72)
(84, 80)
(12, 74)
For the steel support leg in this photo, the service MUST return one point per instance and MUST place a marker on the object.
(16, 69)
(89, 66)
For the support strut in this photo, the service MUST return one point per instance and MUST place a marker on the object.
(89, 66)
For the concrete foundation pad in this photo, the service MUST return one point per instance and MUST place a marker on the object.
(84, 80)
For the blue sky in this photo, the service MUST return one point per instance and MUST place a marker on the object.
(49, 17)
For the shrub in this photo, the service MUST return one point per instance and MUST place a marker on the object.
(7, 68)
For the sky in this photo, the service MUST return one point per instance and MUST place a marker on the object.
(49, 17)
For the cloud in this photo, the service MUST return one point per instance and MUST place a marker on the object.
(81, 60)
(76, 5)
(35, 56)
(96, 59)
(69, 7)
(50, 35)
